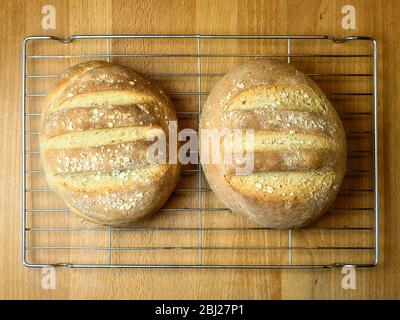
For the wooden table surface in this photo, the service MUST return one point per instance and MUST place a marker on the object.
(374, 18)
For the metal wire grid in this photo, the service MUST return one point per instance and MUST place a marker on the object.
(199, 189)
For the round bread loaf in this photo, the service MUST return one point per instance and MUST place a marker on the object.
(299, 144)
(93, 143)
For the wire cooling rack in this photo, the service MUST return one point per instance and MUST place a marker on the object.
(194, 230)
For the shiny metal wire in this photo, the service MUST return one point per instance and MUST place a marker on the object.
(200, 189)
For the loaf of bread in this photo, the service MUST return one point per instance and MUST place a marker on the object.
(299, 144)
(93, 143)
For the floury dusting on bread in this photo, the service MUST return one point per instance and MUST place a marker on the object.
(271, 145)
(93, 143)
(299, 144)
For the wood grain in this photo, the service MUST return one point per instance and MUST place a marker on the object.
(378, 19)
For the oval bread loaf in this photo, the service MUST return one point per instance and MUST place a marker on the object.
(93, 143)
(299, 144)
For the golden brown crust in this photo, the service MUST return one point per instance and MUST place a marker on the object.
(123, 206)
(112, 116)
(297, 160)
(101, 76)
(104, 158)
(110, 184)
(293, 182)
(262, 119)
